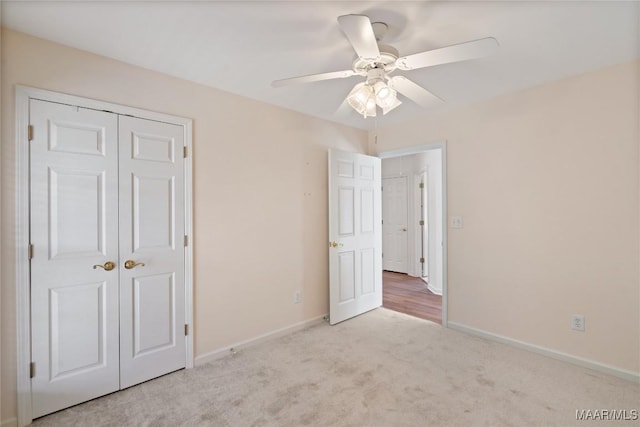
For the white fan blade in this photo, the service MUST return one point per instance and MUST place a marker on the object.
(416, 93)
(314, 78)
(445, 55)
(358, 30)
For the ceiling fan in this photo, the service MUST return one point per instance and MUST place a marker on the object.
(376, 62)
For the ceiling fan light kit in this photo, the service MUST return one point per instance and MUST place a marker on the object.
(364, 96)
(376, 62)
(389, 103)
(359, 99)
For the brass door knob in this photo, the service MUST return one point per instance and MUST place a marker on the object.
(108, 266)
(129, 264)
(334, 244)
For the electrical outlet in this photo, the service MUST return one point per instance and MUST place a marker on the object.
(577, 322)
(297, 297)
(455, 222)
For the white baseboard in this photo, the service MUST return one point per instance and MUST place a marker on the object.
(11, 422)
(596, 366)
(437, 291)
(221, 352)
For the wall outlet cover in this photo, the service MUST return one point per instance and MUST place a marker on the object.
(455, 222)
(577, 322)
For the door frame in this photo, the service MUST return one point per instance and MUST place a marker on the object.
(421, 243)
(23, 94)
(420, 149)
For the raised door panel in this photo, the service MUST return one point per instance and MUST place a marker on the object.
(76, 137)
(368, 270)
(78, 330)
(346, 200)
(74, 226)
(156, 148)
(154, 310)
(347, 277)
(76, 213)
(153, 215)
(367, 211)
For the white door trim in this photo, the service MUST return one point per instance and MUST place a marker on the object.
(23, 320)
(420, 149)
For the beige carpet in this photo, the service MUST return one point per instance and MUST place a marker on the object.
(379, 369)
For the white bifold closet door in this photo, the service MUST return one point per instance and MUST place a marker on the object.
(105, 189)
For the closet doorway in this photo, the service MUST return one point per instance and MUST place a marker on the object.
(108, 219)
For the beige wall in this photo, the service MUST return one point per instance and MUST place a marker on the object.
(546, 181)
(260, 201)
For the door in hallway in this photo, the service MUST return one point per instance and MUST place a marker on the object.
(395, 224)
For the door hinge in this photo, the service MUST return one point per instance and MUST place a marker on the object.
(184, 152)
(30, 132)
(186, 330)
(30, 251)
(421, 222)
(421, 260)
(32, 369)
(186, 240)
(422, 185)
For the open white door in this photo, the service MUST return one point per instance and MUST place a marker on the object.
(355, 235)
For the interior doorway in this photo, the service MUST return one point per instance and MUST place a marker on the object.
(421, 290)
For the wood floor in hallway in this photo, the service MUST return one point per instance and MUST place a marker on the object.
(410, 295)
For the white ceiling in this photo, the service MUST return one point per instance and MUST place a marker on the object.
(240, 47)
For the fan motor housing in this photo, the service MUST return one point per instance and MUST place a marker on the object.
(387, 60)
